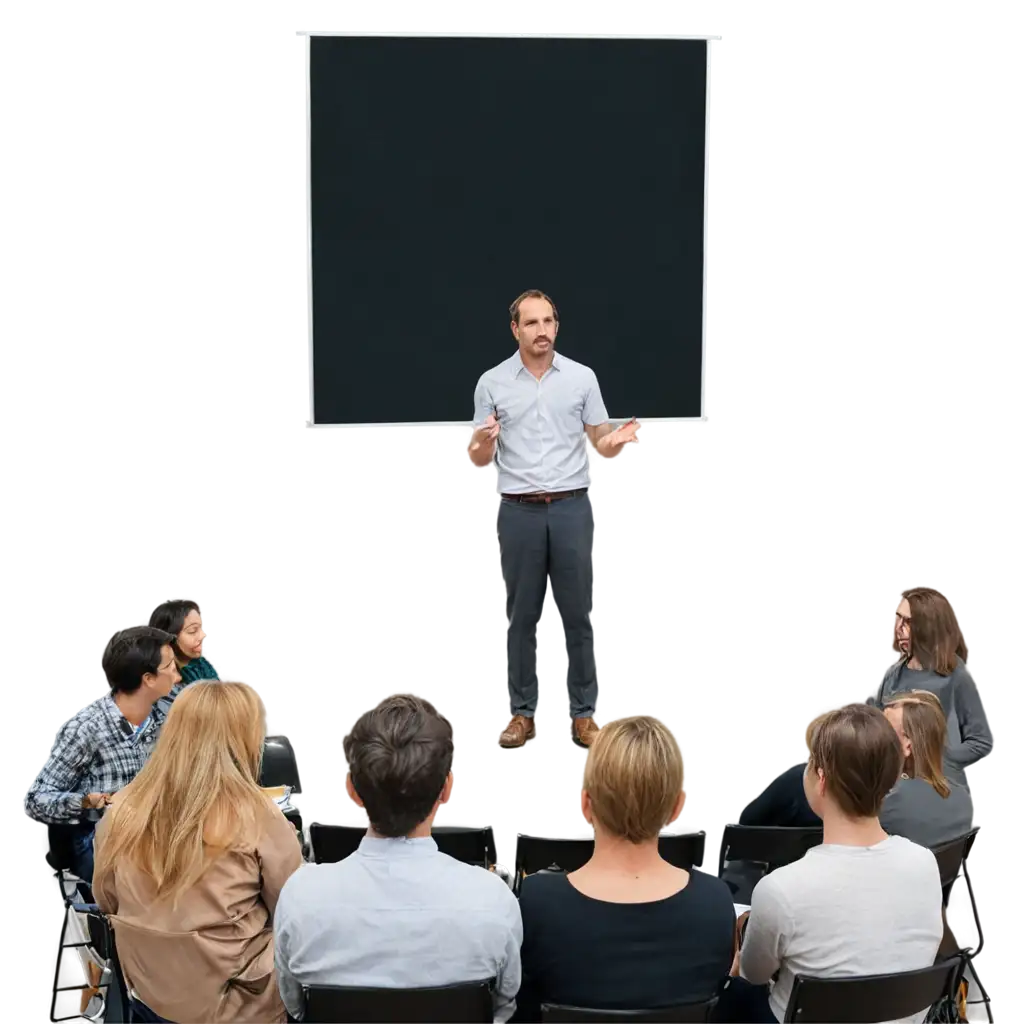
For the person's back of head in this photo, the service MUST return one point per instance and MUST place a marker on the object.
(920, 725)
(855, 760)
(633, 780)
(132, 654)
(198, 794)
(400, 759)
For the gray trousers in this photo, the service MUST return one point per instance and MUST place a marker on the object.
(539, 541)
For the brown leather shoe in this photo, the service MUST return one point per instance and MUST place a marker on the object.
(518, 731)
(583, 731)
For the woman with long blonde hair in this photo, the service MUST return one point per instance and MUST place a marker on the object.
(190, 859)
(628, 930)
(926, 806)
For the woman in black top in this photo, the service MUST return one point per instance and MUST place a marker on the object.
(628, 930)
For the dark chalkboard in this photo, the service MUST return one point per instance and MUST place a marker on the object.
(448, 175)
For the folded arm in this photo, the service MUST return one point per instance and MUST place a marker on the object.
(55, 798)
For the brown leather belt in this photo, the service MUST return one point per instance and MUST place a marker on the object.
(545, 497)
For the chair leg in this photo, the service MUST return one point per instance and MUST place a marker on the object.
(95, 973)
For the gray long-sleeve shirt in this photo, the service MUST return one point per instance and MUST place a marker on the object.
(969, 738)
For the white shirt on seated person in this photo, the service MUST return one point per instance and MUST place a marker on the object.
(397, 913)
(862, 903)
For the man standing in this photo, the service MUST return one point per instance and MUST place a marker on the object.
(531, 414)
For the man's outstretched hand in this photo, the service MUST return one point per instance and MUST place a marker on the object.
(626, 434)
(488, 432)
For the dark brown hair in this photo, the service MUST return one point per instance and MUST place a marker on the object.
(399, 756)
(935, 637)
(924, 724)
(533, 293)
(859, 755)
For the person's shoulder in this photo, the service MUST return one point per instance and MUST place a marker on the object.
(306, 886)
(484, 885)
(575, 367)
(960, 672)
(904, 851)
(711, 889)
(499, 370)
(545, 889)
(86, 721)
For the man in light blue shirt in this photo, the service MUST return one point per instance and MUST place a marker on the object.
(398, 913)
(533, 414)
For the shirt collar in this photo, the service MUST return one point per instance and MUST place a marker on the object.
(122, 725)
(518, 367)
(403, 846)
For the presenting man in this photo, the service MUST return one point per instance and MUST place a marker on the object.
(531, 414)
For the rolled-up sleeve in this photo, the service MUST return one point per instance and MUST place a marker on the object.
(55, 798)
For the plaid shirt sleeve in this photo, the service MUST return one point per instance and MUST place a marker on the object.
(55, 798)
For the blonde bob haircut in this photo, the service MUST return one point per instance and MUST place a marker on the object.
(634, 776)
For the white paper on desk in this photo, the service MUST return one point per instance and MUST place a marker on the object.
(741, 909)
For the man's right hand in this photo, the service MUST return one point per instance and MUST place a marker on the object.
(95, 801)
(485, 434)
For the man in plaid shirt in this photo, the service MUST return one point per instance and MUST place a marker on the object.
(102, 748)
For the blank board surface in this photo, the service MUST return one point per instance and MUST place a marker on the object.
(448, 175)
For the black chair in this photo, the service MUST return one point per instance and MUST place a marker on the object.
(873, 998)
(555, 1014)
(950, 856)
(279, 767)
(536, 853)
(331, 843)
(458, 1004)
(685, 850)
(767, 845)
(112, 983)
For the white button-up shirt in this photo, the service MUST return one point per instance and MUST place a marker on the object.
(542, 445)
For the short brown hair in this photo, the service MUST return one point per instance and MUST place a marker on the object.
(935, 637)
(634, 776)
(924, 724)
(860, 757)
(532, 293)
(399, 756)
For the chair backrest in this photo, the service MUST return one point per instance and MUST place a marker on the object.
(766, 845)
(279, 766)
(556, 1013)
(535, 853)
(459, 1004)
(331, 843)
(951, 855)
(878, 997)
(683, 850)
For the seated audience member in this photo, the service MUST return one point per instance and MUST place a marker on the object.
(924, 806)
(861, 903)
(398, 913)
(628, 930)
(190, 860)
(783, 804)
(933, 656)
(105, 745)
(182, 618)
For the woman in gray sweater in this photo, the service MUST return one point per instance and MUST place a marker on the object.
(933, 657)
(924, 806)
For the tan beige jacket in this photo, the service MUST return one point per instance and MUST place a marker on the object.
(210, 959)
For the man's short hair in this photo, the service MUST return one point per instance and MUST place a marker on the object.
(859, 755)
(133, 653)
(399, 756)
(532, 293)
